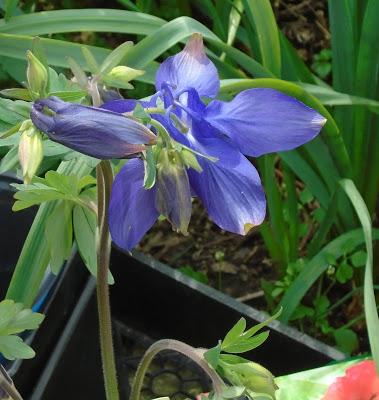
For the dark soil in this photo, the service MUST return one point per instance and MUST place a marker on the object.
(305, 24)
(232, 263)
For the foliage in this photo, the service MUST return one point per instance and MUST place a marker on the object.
(314, 236)
(15, 319)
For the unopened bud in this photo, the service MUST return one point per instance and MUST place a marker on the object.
(30, 150)
(36, 74)
(173, 190)
(252, 376)
(121, 76)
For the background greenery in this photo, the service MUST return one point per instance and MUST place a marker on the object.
(320, 237)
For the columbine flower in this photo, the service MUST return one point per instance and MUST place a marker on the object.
(361, 382)
(93, 131)
(255, 122)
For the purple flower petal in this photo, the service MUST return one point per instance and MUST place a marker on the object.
(126, 105)
(93, 131)
(190, 68)
(263, 121)
(229, 188)
(132, 209)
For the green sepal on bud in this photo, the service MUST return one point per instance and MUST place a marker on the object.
(256, 379)
(121, 76)
(190, 160)
(30, 150)
(37, 76)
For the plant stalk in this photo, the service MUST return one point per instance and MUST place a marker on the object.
(104, 177)
(9, 389)
(183, 348)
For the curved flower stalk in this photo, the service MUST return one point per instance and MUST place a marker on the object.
(255, 122)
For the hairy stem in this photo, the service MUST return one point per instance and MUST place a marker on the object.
(104, 183)
(183, 348)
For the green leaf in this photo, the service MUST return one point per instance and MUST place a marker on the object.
(344, 272)
(262, 18)
(359, 258)
(35, 194)
(74, 96)
(14, 319)
(10, 160)
(234, 334)
(115, 57)
(59, 235)
(213, 355)
(252, 331)
(196, 275)
(14, 111)
(245, 345)
(233, 392)
(346, 339)
(13, 347)
(91, 61)
(82, 20)
(17, 93)
(34, 258)
(10, 8)
(371, 313)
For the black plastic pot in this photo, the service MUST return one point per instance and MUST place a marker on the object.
(149, 301)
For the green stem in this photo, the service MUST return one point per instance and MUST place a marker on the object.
(195, 355)
(104, 183)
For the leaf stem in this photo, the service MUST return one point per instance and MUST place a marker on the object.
(104, 177)
(195, 355)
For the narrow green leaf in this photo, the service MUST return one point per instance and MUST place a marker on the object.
(58, 233)
(247, 344)
(261, 16)
(371, 313)
(115, 57)
(252, 331)
(234, 333)
(82, 20)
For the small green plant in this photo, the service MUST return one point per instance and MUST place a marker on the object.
(322, 63)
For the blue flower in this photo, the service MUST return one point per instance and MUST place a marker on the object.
(255, 122)
(93, 131)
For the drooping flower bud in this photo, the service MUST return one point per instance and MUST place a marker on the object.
(93, 131)
(37, 75)
(30, 150)
(255, 378)
(121, 76)
(173, 198)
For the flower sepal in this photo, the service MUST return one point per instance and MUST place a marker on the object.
(173, 198)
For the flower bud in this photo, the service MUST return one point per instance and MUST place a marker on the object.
(37, 74)
(252, 376)
(30, 150)
(173, 190)
(121, 76)
(92, 131)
